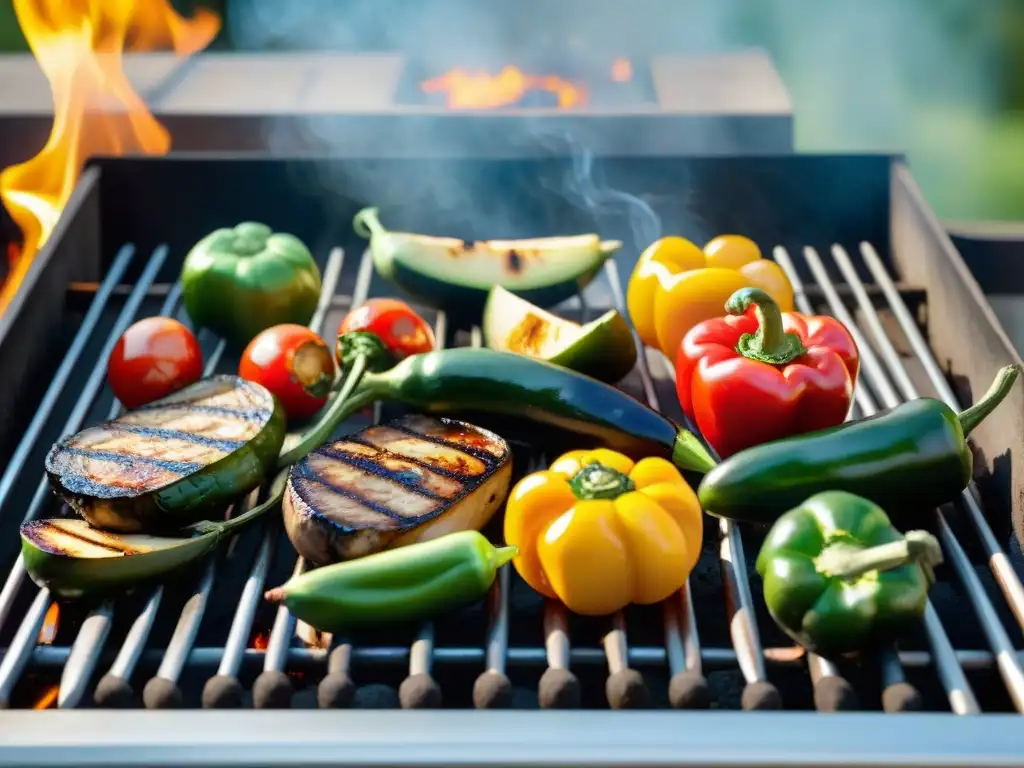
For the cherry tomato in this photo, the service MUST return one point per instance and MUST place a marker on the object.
(398, 326)
(294, 364)
(153, 358)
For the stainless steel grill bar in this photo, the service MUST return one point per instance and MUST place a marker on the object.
(1005, 575)
(226, 691)
(74, 422)
(996, 635)
(688, 687)
(821, 668)
(60, 378)
(88, 644)
(961, 697)
(558, 657)
(272, 688)
(114, 688)
(419, 690)
(20, 650)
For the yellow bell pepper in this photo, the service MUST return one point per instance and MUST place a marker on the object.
(598, 531)
(676, 285)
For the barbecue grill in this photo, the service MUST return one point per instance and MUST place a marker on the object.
(858, 242)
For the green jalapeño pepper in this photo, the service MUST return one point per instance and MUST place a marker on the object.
(839, 578)
(910, 458)
(238, 282)
(405, 584)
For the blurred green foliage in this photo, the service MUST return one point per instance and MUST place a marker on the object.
(942, 80)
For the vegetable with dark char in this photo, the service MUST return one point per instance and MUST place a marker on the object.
(907, 459)
(153, 358)
(839, 578)
(173, 462)
(389, 485)
(483, 385)
(415, 582)
(759, 374)
(241, 280)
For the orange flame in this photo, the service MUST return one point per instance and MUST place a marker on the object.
(78, 45)
(48, 698)
(48, 632)
(260, 641)
(480, 90)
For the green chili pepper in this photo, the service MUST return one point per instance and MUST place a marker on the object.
(238, 282)
(404, 584)
(910, 458)
(479, 383)
(838, 577)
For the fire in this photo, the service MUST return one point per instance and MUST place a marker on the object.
(481, 90)
(48, 698)
(622, 70)
(48, 632)
(78, 45)
(260, 641)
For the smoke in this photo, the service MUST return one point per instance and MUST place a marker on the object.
(867, 75)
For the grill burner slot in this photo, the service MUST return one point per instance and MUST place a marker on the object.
(534, 83)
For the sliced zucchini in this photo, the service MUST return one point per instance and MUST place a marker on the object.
(602, 349)
(453, 275)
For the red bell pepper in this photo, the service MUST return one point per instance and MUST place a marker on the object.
(759, 374)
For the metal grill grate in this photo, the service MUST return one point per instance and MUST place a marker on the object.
(513, 634)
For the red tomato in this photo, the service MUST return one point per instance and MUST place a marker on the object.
(153, 358)
(398, 326)
(287, 359)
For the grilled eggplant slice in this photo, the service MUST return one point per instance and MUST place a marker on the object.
(412, 479)
(173, 462)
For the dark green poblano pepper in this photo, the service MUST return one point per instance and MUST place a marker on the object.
(240, 281)
(839, 578)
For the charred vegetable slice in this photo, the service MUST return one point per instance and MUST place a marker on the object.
(173, 462)
(603, 348)
(411, 479)
(451, 274)
(73, 559)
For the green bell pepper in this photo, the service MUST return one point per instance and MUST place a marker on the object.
(839, 578)
(238, 282)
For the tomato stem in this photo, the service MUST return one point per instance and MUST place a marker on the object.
(771, 343)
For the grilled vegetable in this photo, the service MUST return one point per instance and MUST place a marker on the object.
(294, 363)
(415, 582)
(448, 273)
(486, 386)
(598, 531)
(173, 462)
(412, 479)
(838, 577)
(758, 375)
(676, 285)
(907, 459)
(72, 559)
(603, 348)
(239, 281)
(395, 323)
(153, 358)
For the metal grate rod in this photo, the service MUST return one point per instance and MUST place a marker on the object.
(1006, 577)
(996, 635)
(961, 697)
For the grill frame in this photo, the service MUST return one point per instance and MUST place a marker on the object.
(421, 738)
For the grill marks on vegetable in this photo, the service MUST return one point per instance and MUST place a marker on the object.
(356, 495)
(157, 445)
(76, 538)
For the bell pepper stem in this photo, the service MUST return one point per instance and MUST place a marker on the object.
(973, 416)
(844, 561)
(343, 406)
(502, 555)
(688, 453)
(770, 344)
(596, 481)
(366, 224)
